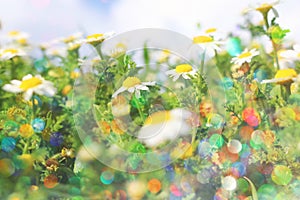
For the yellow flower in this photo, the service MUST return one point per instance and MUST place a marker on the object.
(18, 36)
(26, 130)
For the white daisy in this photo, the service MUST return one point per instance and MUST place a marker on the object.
(245, 56)
(282, 76)
(30, 85)
(72, 38)
(293, 54)
(164, 126)
(20, 37)
(57, 51)
(208, 44)
(8, 53)
(97, 38)
(133, 84)
(183, 70)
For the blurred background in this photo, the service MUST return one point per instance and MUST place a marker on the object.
(48, 19)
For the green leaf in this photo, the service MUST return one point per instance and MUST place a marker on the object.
(253, 189)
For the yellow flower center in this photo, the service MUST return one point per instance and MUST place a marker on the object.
(245, 55)
(286, 73)
(12, 51)
(30, 83)
(264, 8)
(158, 117)
(183, 68)
(95, 36)
(298, 55)
(211, 30)
(13, 33)
(202, 39)
(131, 82)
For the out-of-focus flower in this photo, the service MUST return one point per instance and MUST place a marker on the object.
(72, 46)
(72, 38)
(67, 153)
(30, 85)
(57, 51)
(293, 54)
(208, 44)
(133, 84)
(245, 56)
(18, 36)
(120, 106)
(184, 70)
(282, 76)
(162, 126)
(97, 38)
(8, 53)
(264, 8)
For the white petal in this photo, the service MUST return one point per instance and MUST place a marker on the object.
(28, 94)
(171, 72)
(11, 88)
(121, 89)
(176, 77)
(16, 82)
(149, 83)
(142, 87)
(137, 93)
(185, 76)
(28, 76)
(131, 90)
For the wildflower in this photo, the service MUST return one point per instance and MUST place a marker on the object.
(133, 84)
(264, 8)
(120, 106)
(245, 56)
(184, 70)
(208, 43)
(8, 53)
(30, 85)
(97, 38)
(26, 130)
(57, 51)
(67, 152)
(72, 38)
(18, 36)
(72, 46)
(282, 76)
(292, 55)
(164, 125)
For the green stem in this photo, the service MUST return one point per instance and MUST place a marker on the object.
(273, 44)
(202, 63)
(99, 51)
(139, 109)
(33, 107)
(25, 148)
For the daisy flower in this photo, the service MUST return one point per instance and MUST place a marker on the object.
(282, 76)
(264, 8)
(208, 43)
(57, 51)
(293, 54)
(72, 38)
(6, 54)
(245, 56)
(183, 70)
(97, 38)
(30, 85)
(162, 126)
(133, 84)
(20, 37)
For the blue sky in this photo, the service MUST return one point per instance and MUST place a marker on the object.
(48, 19)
